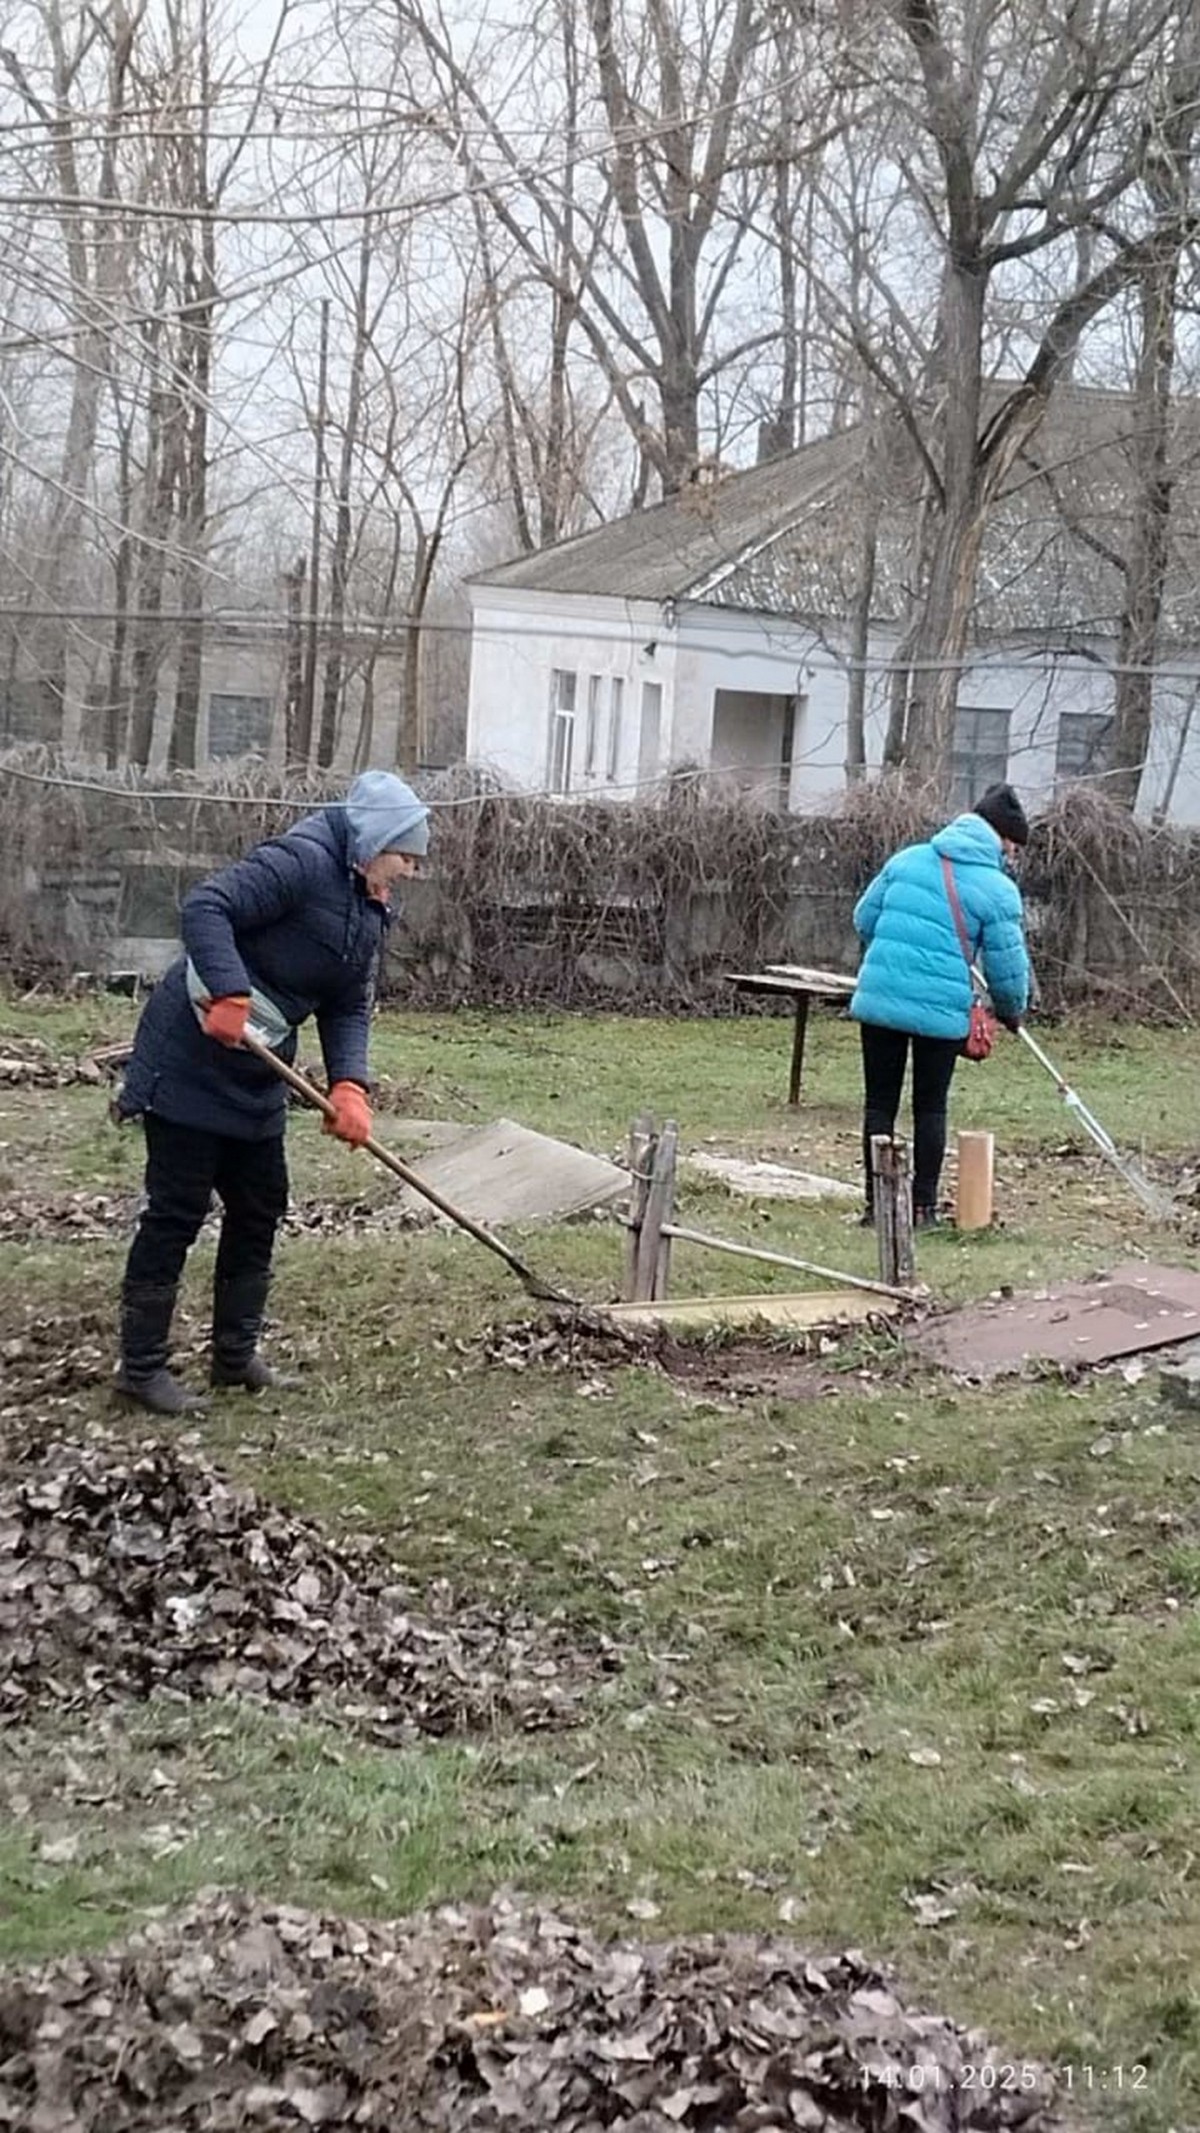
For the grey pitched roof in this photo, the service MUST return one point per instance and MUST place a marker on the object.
(784, 538)
(668, 551)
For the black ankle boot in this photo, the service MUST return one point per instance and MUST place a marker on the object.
(143, 1376)
(238, 1306)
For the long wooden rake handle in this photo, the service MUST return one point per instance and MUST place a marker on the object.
(308, 1090)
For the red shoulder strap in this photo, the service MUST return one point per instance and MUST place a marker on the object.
(964, 939)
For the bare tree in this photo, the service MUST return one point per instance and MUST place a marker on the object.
(1011, 130)
(95, 254)
(643, 266)
(1167, 177)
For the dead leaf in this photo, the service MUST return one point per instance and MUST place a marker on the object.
(275, 2016)
(123, 1572)
(929, 1909)
(60, 1851)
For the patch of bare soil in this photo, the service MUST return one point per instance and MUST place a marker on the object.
(588, 1343)
(240, 2015)
(123, 1573)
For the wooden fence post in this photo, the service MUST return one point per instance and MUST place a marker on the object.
(654, 1250)
(892, 1193)
(641, 1156)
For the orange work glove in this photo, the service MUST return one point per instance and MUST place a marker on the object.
(226, 1019)
(351, 1120)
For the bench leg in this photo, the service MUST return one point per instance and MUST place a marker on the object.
(798, 1035)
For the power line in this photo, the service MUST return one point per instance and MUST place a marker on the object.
(766, 781)
(997, 660)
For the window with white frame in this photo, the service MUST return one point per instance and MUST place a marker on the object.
(616, 704)
(562, 728)
(238, 725)
(1083, 745)
(980, 751)
(591, 738)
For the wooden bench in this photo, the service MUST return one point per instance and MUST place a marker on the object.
(803, 986)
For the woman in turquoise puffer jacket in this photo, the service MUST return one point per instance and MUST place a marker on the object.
(914, 987)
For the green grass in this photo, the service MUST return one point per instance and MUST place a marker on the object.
(809, 1594)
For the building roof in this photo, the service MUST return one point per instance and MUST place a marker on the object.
(785, 537)
(666, 551)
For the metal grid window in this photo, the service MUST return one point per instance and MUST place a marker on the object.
(238, 725)
(980, 752)
(1084, 744)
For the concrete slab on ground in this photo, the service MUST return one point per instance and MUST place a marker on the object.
(503, 1172)
(829, 1307)
(1125, 1312)
(770, 1181)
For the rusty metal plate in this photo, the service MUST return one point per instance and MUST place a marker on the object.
(1121, 1313)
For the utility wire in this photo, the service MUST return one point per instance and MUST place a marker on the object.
(386, 631)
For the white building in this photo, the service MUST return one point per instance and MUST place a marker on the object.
(709, 633)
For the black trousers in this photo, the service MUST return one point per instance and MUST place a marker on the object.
(885, 1056)
(184, 1168)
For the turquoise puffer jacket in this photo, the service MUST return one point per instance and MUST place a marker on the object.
(914, 975)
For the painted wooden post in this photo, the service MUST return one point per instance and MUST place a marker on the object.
(976, 1171)
(893, 1209)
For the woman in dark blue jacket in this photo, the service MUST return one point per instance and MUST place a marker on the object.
(914, 987)
(294, 929)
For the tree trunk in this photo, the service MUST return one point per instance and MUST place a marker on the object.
(408, 750)
(196, 364)
(1145, 578)
(945, 619)
(1169, 180)
(293, 580)
(339, 562)
(164, 451)
(116, 695)
(860, 635)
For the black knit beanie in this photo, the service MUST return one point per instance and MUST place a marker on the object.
(1001, 807)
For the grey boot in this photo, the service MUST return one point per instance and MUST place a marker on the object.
(143, 1376)
(238, 1306)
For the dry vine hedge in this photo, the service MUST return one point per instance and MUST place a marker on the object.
(586, 904)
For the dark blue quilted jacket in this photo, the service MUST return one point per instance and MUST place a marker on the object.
(293, 920)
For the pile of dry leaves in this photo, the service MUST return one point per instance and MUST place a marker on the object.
(25, 1062)
(46, 1360)
(67, 1217)
(242, 2015)
(122, 1573)
(90, 1217)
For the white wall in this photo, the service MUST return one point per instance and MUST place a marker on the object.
(516, 643)
(519, 639)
